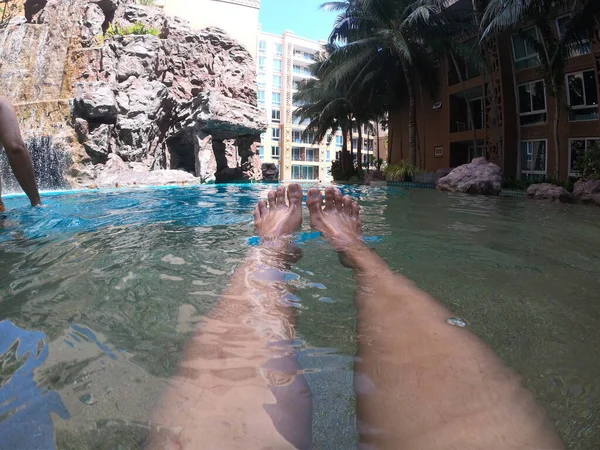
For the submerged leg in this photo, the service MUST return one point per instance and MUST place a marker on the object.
(16, 152)
(239, 384)
(421, 383)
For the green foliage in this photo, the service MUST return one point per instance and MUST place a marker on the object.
(339, 174)
(147, 2)
(588, 163)
(137, 29)
(9, 10)
(403, 171)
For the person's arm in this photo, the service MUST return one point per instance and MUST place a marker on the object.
(239, 384)
(16, 152)
(420, 382)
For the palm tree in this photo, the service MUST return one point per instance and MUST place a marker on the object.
(553, 51)
(380, 38)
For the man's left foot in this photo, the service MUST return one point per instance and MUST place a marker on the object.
(279, 219)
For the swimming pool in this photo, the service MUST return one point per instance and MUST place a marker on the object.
(99, 290)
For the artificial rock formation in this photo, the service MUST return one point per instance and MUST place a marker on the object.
(547, 191)
(478, 177)
(587, 192)
(183, 100)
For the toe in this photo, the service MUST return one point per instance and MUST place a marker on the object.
(347, 205)
(271, 198)
(294, 194)
(256, 216)
(262, 208)
(338, 200)
(280, 196)
(314, 201)
(329, 198)
(355, 210)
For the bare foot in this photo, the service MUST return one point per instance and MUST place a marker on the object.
(279, 219)
(339, 220)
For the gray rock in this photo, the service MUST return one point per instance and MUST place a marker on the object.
(587, 192)
(206, 164)
(97, 144)
(374, 175)
(95, 100)
(132, 178)
(547, 191)
(93, 20)
(441, 173)
(270, 172)
(115, 163)
(477, 177)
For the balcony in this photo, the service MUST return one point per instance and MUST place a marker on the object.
(460, 119)
(302, 72)
(304, 154)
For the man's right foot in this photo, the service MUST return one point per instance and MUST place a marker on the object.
(338, 219)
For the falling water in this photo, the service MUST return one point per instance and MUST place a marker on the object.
(49, 164)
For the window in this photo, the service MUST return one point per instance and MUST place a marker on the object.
(582, 96)
(261, 97)
(276, 81)
(262, 46)
(524, 53)
(275, 134)
(262, 137)
(276, 98)
(296, 154)
(261, 151)
(277, 65)
(583, 46)
(305, 172)
(339, 141)
(297, 136)
(260, 80)
(532, 103)
(329, 137)
(310, 154)
(275, 116)
(576, 148)
(328, 155)
(278, 49)
(275, 151)
(533, 158)
(262, 62)
(355, 143)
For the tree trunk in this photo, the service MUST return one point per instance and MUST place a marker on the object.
(344, 158)
(359, 149)
(377, 134)
(412, 116)
(469, 109)
(389, 144)
(556, 138)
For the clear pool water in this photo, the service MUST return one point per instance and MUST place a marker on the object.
(99, 290)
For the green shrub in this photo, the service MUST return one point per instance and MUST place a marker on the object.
(402, 171)
(588, 163)
(137, 29)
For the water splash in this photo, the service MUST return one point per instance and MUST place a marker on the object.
(49, 164)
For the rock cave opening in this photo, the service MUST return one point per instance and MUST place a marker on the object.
(181, 150)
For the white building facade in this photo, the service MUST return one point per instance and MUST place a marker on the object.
(283, 61)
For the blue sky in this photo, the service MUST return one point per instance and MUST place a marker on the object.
(303, 17)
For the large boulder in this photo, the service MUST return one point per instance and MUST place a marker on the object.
(95, 101)
(478, 177)
(587, 192)
(547, 191)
